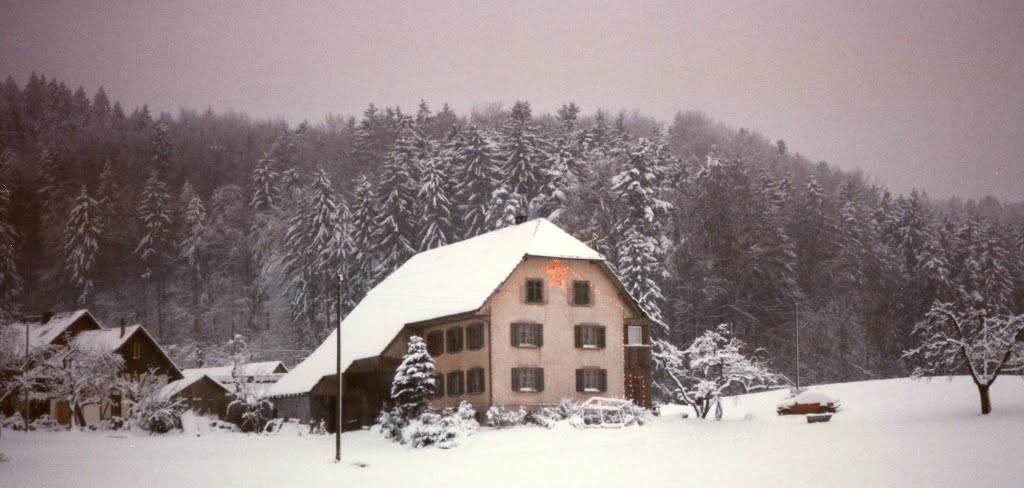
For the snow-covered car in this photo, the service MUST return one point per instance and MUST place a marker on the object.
(811, 401)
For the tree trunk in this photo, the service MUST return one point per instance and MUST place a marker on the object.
(986, 403)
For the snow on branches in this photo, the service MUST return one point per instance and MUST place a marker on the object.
(957, 337)
(700, 374)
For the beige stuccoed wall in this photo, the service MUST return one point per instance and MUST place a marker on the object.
(558, 356)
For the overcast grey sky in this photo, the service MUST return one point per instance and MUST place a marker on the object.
(925, 95)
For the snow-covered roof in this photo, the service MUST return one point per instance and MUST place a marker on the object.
(448, 280)
(176, 386)
(263, 368)
(104, 340)
(39, 334)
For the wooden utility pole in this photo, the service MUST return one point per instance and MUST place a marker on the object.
(27, 406)
(337, 428)
(798, 346)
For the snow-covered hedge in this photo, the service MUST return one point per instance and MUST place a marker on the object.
(501, 417)
(444, 429)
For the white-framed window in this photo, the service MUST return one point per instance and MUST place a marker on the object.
(634, 335)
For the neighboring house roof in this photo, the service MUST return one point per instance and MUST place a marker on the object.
(258, 369)
(104, 340)
(449, 280)
(175, 387)
(40, 334)
(111, 340)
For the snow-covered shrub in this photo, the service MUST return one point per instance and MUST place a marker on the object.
(501, 417)
(389, 424)
(318, 427)
(113, 423)
(14, 422)
(44, 422)
(443, 430)
(151, 410)
(225, 426)
(249, 412)
(636, 415)
(569, 408)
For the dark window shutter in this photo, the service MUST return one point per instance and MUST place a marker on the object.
(515, 379)
(515, 334)
(540, 378)
(600, 337)
(540, 335)
(577, 330)
(602, 380)
(625, 334)
(439, 379)
(462, 382)
(579, 380)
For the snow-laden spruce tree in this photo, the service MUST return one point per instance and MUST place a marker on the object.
(314, 257)
(192, 247)
(264, 182)
(712, 366)
(155, 221)
(397, 190)
(522, 153)
(638, 187)
(504, 208)
(10, 243)
(476, 164)
(365, 268)
(80, 248)
(434, 206)
(955, 336)
(414, 382)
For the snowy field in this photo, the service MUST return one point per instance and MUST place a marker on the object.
(889, 433)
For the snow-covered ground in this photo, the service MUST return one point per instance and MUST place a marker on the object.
(889, 433)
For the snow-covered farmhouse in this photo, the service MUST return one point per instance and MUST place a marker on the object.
(80, 329)
(525, 315)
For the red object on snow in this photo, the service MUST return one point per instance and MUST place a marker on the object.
(812, 401)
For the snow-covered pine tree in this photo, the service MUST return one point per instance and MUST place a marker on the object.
(10, 242)
(153, 248)
(264, 182)
(192, 247)
(638, 187)
(162, 148)
(397, 191)
(434, 206)
(816, 240)
(365, 268)
(504, 208)
(312, 263)
(414, 382)
(560, 174)
(80, 248)
(522, 154)
(475, 163)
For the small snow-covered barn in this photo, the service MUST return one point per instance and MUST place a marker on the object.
(201, 392)
(259, 375)
(525, 315)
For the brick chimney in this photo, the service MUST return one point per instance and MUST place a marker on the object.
(122, 327)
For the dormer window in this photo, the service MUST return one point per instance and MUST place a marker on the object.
(534, 291)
